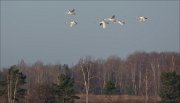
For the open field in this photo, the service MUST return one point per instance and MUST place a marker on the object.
(116, 99)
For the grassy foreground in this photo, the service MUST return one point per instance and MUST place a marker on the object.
(117, 99)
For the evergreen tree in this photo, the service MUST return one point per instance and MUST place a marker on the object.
(66, 70)
(13, 85)
(65, 89)
(2, 87)
(170, 87)
(109, 88)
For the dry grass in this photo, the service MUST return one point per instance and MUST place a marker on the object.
(110, 99)
(117, 99)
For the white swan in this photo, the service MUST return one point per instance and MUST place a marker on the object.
(72, 23)
(71, 12)
(112, 18)
(103, 23)
(142, 18)
(119, 22)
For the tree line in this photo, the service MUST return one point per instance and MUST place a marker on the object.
(138, 74)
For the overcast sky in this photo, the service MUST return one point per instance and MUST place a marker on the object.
(37, 30)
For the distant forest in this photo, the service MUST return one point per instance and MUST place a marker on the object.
(138, 74)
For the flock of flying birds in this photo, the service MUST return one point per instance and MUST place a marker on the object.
(104, 22)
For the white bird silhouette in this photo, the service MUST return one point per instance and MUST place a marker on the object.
(72, 23)
(112, 18)
(71, 12)
(103, 23)
(119, 22)
(142, 18)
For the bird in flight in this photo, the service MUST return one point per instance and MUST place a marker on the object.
(142, 18)
(71, 12)
(112, 18)
(103, 23)
(119, 22)
(72, 23)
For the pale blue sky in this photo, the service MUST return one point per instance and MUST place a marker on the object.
(38, 31)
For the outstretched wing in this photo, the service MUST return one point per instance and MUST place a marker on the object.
(113, 17)
(73, 10)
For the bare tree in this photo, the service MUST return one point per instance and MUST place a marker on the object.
(86, 67)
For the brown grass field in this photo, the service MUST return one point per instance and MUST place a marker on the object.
(111, 99)
(117, 99)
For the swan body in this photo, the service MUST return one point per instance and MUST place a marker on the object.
(142, 18)
(112, 18)
(71, 12)
(119, 22)
(72, 23)
(103, 23)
